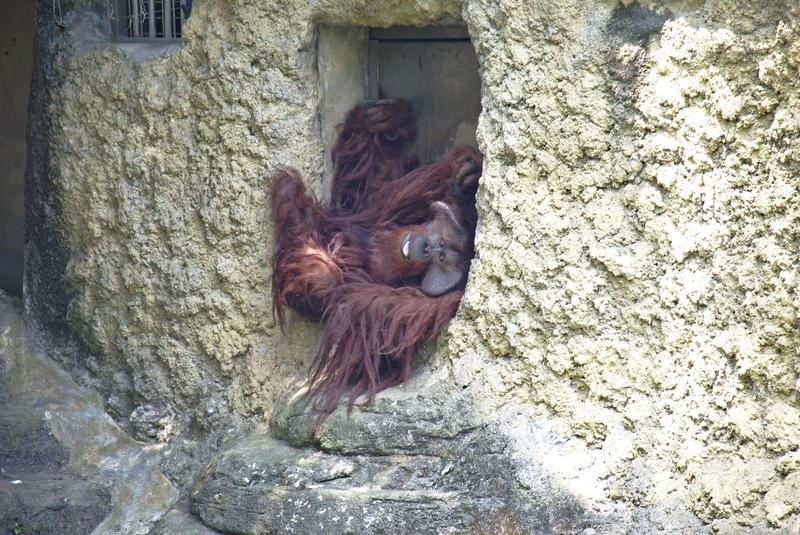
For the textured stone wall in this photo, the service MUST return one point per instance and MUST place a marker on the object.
(636, 284)
(637, 268)
(149, 228)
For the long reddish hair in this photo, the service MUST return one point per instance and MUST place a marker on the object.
(370, 330)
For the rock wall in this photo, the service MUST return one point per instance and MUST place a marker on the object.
(638, 248)
(636, 282)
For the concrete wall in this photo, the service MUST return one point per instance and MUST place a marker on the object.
(16, 59)
(635, 286)
(342, 66)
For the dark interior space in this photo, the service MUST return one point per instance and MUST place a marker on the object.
(16, 58)
(436, 69)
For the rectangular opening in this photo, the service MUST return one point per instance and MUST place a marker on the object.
(435, 68)
(149, 19)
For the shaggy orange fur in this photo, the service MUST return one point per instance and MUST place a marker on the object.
(339, 263)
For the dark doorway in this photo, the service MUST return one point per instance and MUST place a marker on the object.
(433, 67)
(16, 59)
(437, 70)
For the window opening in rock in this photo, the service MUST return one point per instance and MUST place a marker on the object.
(150, 19)
(435, 68)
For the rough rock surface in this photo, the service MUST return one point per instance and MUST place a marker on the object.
(65, 466)
(421, 460)
(636, 280)
(638, 247)
(411, 463)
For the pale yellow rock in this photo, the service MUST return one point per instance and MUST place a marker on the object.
(637, 250)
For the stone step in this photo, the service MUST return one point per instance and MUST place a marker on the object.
(266, 486)
(409, 464)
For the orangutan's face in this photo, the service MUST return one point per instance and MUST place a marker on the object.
(436, 248)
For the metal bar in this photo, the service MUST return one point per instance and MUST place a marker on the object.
(133, 18)
(167, 18)
(424, 33)
(448, 40)
(173, 41)
(152, 18)
(373, 69)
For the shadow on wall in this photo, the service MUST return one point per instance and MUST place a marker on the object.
(16, 59)
(11, 270)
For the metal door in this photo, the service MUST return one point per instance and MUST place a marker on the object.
(436, 69)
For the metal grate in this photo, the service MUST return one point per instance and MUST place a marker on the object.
(151, 19)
